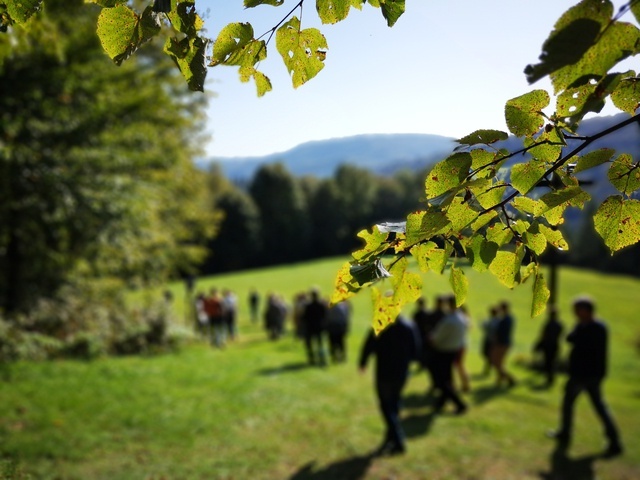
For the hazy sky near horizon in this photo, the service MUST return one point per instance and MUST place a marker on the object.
(447, 67)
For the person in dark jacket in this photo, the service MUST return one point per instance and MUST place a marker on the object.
(395, 348)
(548, 344)
(503, 339)
(587, 370)
(314, 319)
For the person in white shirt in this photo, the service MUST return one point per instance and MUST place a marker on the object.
(448, 339)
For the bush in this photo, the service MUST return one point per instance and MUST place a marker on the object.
(80, 325)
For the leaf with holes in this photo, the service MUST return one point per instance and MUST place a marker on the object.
(459, 284)
(541, 295)
(624, 174)
(263, 84)
(303, 51)
(185, 19)
(618, 222)
(447, 174)
(523, 113)
(593, 159)
(333, 11)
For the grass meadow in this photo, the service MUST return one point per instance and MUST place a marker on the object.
(256, 411)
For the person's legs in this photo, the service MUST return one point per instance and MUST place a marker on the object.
(499, 354)
(549, 356)
(308, 341)
(389, 400)
(320, 352)
(465, 384)
(445, 382)
(593, 388)
(571, 391)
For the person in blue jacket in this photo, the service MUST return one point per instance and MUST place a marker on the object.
(394, 348)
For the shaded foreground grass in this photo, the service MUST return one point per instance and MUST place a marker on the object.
(255, 410)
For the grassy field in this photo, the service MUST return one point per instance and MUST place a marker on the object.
(256, 411)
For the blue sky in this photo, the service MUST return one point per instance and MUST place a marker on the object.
(447, 67)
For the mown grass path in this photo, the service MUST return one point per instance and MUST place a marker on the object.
(256, 411)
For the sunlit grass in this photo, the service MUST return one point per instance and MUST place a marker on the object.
(255, 411)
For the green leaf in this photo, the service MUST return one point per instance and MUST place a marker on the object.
(554, 237)
(541, 295)
(118, 32)
(21, 10)
(573, 35)
(106, 3)
(235, 45)
(391, 9)
(185, 19)
(498, 233)
(460, 214)
(626, 96)
(624, 174)
(333, 11)
(481, 253)
(505, 267)
(189, 55)
(526, 205)
(263, 84)
(618, 222)
(547, 146)
(525, 176)
(459, 284)
(593, 159)
(447, 174)
(490, 195)
(375, 245)
(534, 239)
(486, 137)
(303, 51)
(421, 253)
(255, 3)
(425, 224)
(574, 103)
(483, 220)
(635, 9)
(567, 197)
(523, 113)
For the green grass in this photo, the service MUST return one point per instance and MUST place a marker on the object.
(254, 411)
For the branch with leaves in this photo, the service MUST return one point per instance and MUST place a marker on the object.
(483, 210)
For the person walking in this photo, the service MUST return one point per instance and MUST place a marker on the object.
(213, 307)
(254, 304)
(503, 339)
(548, 345)
(230, 312)
(314, 318)
(337, 329)
(488, 328)
(448, 338)
(587, 371)
(394, 348)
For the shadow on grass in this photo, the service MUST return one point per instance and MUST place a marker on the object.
(287, 368)
(565, 468)
(484, 394)
(347, 469)
(418, 400)
(417, 425)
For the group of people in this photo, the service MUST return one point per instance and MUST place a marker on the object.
(216, 316)
(438, 339)
(314, 320)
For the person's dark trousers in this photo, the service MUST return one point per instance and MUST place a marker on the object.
(315, 349)
(549, 356)
(592, 386)
(336, 346)
(428, 362)
(389, 397)
(443, 370)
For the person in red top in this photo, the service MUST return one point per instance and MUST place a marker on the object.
(213, 309)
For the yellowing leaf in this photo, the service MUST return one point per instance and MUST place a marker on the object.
(21, 10)
(554, 237)
(447, 174)
(345, 285)
(541, 295)
(486, 137)
(525, 176)
(333, 11)
(425, 225)
(624, 174)
(626, 96)
(117, 30)
(618, 222)
(375, 244)
(505, 267)
(460, 214)
(499, 233)
(303, 51)
(481, 253)
(593, 159)
(459, 284)
(523, 113)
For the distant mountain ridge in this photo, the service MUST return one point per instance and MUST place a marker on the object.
(385, 154)
(380, 153)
